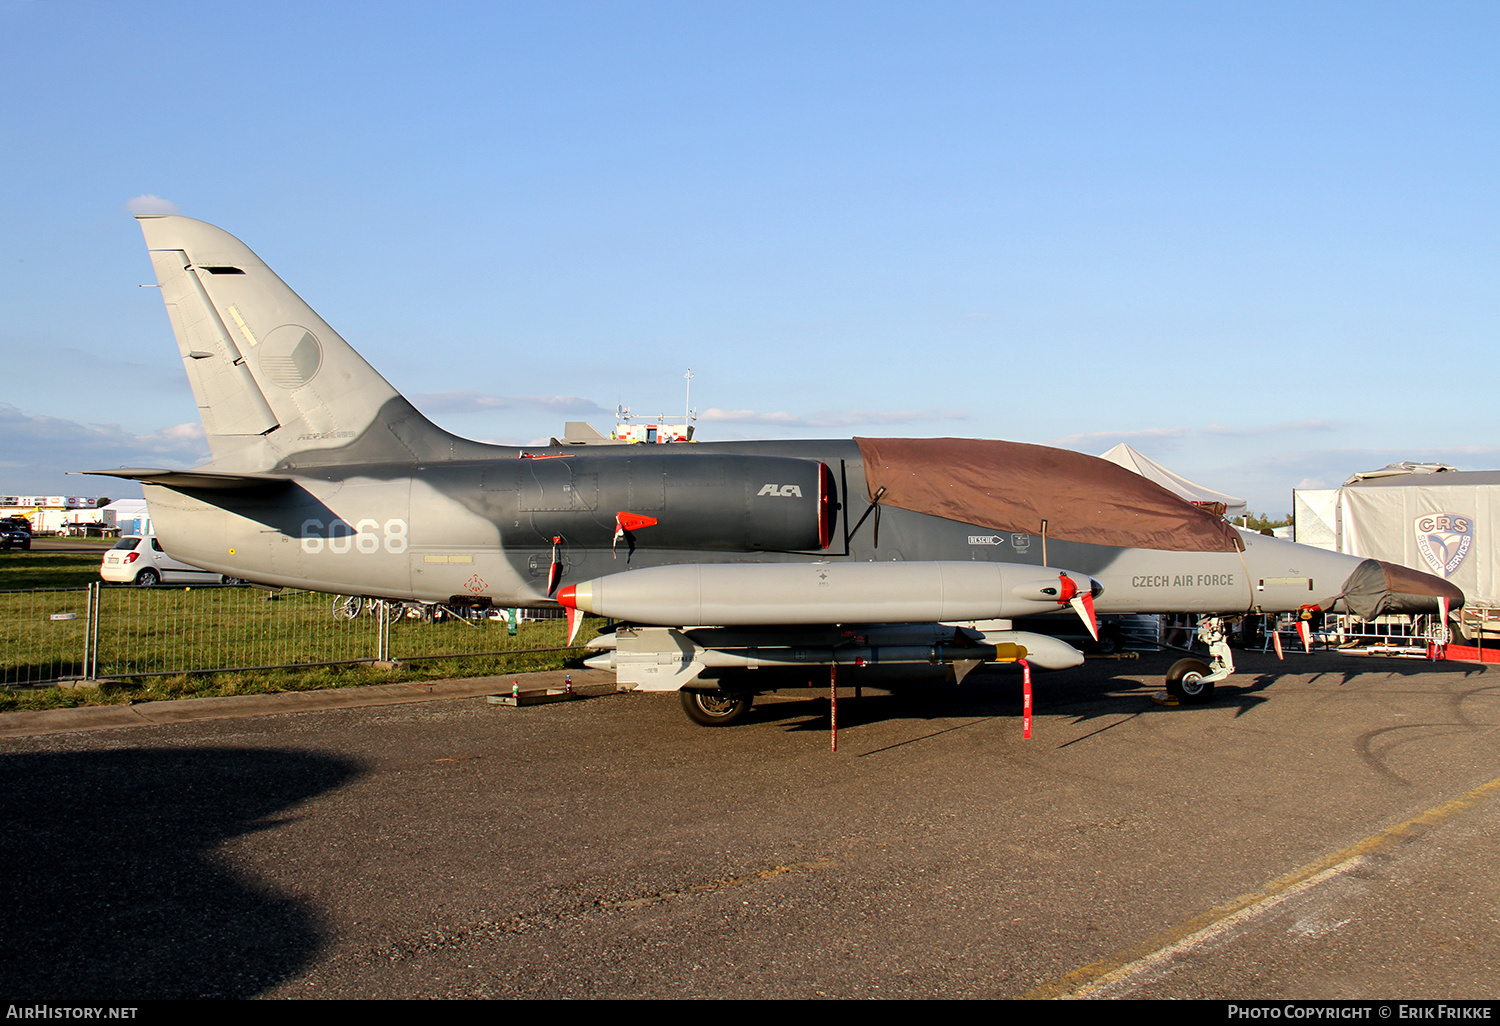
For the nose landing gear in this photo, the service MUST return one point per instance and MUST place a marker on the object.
(1192, 681)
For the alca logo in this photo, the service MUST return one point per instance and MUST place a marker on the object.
(1444, 539)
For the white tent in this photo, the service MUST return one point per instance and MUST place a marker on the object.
(1315, 515)
(129, 515)
(1148, 468)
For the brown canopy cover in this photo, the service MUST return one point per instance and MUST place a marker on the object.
(1011, 486)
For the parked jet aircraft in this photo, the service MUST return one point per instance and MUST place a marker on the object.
(738, 563)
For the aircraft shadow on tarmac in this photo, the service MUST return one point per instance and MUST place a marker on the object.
(1091, 692)
(1338, 670)
(112, 893)
(988, 693)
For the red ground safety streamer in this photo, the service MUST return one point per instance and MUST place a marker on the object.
(1025, 698)
(833, 704)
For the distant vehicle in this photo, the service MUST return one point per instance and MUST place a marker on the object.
(81, 530)
(15, 533)
(143, 562)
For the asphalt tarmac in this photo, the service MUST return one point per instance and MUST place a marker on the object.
(1327, 828)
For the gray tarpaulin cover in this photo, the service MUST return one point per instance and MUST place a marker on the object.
(1011, 486)
(1397, 515)
(1381, 518)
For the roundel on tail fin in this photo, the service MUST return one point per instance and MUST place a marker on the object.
(290, 356)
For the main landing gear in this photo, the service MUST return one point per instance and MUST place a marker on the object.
(716, 708)
(1192, 681)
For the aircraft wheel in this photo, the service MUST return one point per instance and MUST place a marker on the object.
(715, 708)
(1109, 641)
(147, 579)
(1185, 681)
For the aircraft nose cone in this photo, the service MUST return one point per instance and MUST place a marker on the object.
(1377, 588)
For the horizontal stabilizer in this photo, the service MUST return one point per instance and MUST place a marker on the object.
(195, 479)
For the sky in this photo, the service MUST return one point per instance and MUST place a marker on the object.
(1259, 242)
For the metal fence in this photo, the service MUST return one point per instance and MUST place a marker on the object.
(103, 632)
(100, 632)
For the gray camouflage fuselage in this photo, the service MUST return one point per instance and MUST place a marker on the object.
(477, 529)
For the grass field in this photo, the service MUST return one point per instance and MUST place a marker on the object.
(179, 642)
(34, 569)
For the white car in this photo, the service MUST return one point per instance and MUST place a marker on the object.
(141, 561)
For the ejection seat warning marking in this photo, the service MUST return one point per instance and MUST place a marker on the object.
(475, 585)
(1182, 581)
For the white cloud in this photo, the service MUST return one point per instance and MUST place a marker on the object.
(459, 402)
(1272, 429)
(1094, 439)
(481, 402)
(149, 204)
(1338, 464)
(746, 417)
(1165, 437)
(40, 451)
(828, 418)
(1490, 451)
(191, 434)
(519, 442)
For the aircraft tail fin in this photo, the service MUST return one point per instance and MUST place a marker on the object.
(275, 385)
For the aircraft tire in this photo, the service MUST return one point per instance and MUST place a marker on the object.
(715, 708)
(1110, 641)
(1186, 684)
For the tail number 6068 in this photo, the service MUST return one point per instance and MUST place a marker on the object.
(365, 536)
